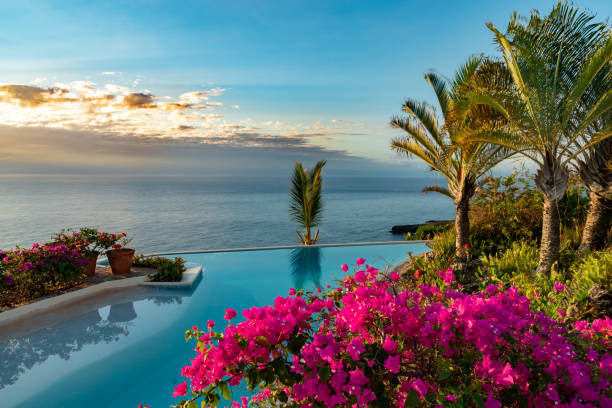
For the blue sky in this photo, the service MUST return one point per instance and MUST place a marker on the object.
(322, 76)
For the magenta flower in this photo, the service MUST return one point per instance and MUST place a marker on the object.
(229, 314)
(559, 287)
(360, 261)
(392, 363)
(344, 268)
(180, 390)
(389, 345)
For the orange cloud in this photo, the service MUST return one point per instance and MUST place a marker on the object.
(136, 100)
(27, 95)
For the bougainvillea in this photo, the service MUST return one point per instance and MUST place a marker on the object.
(29, 273)
(368, 344)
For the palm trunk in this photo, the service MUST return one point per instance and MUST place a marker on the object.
(551, 237)
(462, 227)
(598, 222)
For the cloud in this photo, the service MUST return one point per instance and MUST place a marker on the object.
(111, 73)
(47, 150)
(115, 110)
(30, 96)
(136, 100)
(236, 106)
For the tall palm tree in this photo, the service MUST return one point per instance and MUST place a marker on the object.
(595, 170)
(306, 206)
(553, 62)
(464, 162)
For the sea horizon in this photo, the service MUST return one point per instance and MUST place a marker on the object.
(192, 212)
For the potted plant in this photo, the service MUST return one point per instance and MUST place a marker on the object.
(85, 241)
(119, 257)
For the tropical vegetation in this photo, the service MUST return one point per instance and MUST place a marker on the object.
(44, 269)
(306, 202)
(462, 162)
(368, 343)
(29, 273)
(554, 96)
(558, 104)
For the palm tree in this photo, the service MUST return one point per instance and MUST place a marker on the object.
(461, 163)
(306, 205)
(595, 170)
(553, 62)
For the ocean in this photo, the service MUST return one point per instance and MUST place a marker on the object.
(175, 213)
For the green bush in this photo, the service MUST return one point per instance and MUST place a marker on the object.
(30, 273)
(505, 210)
(593, 269)
(520, 258)
(509, 209)
(168, 270)
(427, 231)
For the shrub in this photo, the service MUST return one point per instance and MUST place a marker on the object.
(509, 209)
(505, 209)
(30, 273)
(519, 258)
(168, 270)
(427, 231)
(366, 345)
(594, 269)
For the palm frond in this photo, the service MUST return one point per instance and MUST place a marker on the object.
(438, 189)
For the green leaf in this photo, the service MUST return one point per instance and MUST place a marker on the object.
(412, 400)
(324, 373)
(478, 400)
(225, 391)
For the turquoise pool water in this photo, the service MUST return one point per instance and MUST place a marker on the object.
(131, 351)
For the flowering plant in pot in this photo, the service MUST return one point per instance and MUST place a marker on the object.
(119, 257)
(85, 241)
(91, 243)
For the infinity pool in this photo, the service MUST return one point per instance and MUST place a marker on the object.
(131, 351)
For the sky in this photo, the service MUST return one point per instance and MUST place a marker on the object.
(239, 87)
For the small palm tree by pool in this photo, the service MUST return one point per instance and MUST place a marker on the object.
(306, 206)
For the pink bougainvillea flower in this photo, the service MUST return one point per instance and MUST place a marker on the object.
(292, 292)
(492, 402)
(559, 287)
(210, 324)
(394, 276)
(392, 363)
(344, 268)
(360, 261)
(389, 345)
(229, 314)
(180, 390)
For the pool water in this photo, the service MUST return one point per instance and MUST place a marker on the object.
(131, 351)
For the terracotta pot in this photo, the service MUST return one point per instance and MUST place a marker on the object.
(120, 260)
(91, 265)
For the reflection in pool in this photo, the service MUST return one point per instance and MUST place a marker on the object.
(131, 351)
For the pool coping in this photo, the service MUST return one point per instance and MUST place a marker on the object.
(207, 251)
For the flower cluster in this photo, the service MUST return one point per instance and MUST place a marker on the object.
(364, 344)
(31, 272)
(89, 241)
